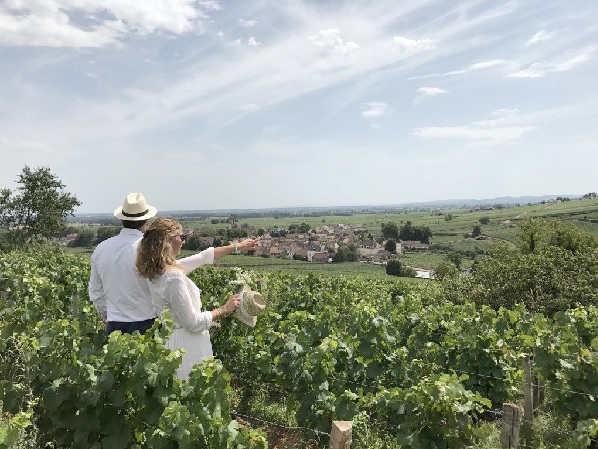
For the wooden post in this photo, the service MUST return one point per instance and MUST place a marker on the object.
(511, 420)
(539, 391)
(528, 401)
(341, 435)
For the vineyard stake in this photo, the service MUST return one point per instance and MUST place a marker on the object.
(511, 420)
(341, 435)
(528, 406)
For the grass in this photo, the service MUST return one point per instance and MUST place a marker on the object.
(299, 267)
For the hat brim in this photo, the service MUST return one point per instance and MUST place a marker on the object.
(151, 212)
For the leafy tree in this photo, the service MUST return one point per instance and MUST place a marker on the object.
(260, 232)
(536, 234)
(455, 258)
(303, 228)
(390, 231)
(346, 253)
(419, 233)
(407, 232)
(194, 243)
(477, 230)
(85, 239)
(39, 207)
(391, 246)
(393, 267)
(484, 220)
(105, 232)
(445, 269)
(448, 217)
(559, 272)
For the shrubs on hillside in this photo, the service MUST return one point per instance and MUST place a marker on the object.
(554, 269)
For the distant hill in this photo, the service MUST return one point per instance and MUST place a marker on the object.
(505, 200)
(450, 203)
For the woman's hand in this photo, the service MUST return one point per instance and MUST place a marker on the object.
(248, 244)
(228, 308)
(232, 304)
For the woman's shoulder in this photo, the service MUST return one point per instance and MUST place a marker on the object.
(174, 273)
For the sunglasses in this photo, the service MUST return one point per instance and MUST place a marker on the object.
(183, 237)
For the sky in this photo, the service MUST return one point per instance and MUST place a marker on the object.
(237, 104)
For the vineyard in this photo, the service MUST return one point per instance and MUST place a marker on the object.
(408, 368)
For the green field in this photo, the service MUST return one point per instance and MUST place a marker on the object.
(452, 235)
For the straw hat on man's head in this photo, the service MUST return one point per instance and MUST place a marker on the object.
(250, 306)
(135, 208)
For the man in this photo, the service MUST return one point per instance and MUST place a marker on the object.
(121, 297)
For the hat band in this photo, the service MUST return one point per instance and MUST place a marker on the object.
(140, 214)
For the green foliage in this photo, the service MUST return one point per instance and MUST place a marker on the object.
(38, 210)
(477, 231)
(347, 348)
(584, 433)
(537, 234)
(456, 258)
(346, 253)
(390, 231)
(420, 233)
(552, 280)
(85, 239)
(393, 267)
(435, 412)
(303, 228)
(105, 232)
(194, 243)
(445, 270)
(391, 246)
(93, 393)
(484, 220)
(566, 355)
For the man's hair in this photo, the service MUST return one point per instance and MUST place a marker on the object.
(130, 224)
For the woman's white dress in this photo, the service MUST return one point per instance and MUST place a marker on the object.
(178, 294)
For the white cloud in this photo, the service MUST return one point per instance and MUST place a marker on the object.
(405, 44)
(50, 22)
(235, 43)
(375, 109)
(331, 39)
(501, 117)
(476, 66)
(539, 69)
(429, 91)
(249, 107)
(541, 36)
(493, 135)
(252, 42)
(247, 23)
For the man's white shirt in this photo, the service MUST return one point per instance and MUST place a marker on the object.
(115, 287)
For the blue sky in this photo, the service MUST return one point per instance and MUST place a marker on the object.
(256, 104)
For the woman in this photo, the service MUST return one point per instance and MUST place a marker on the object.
(171, 288)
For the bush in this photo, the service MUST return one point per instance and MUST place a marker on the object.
(548, 281)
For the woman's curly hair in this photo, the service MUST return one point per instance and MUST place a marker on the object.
(154, 254)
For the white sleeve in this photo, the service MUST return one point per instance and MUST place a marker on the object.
(96, 290)
(195, 261)
(181, 299)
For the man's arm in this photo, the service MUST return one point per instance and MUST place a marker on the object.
(96, 291)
